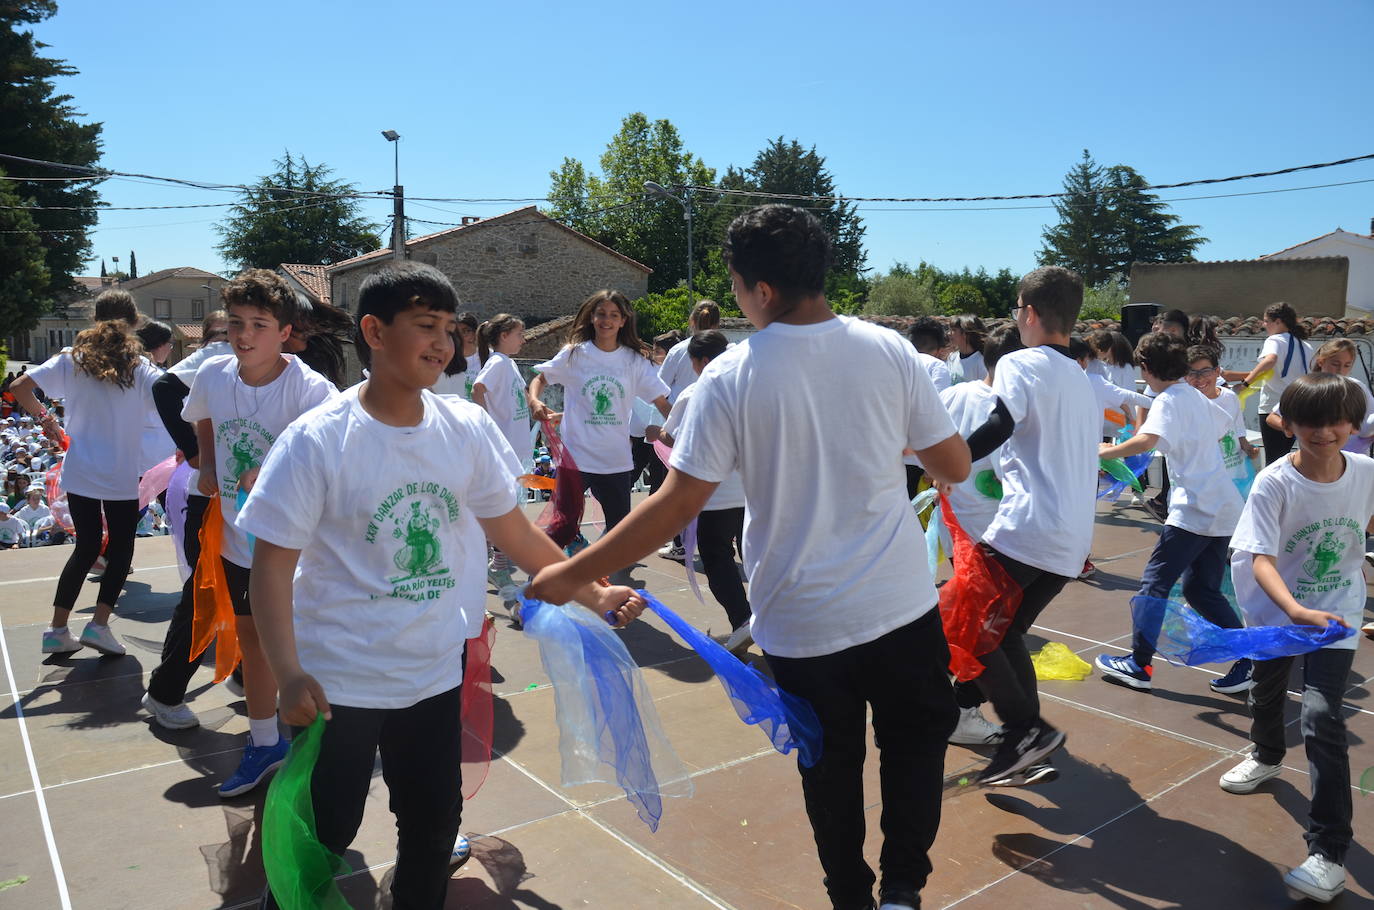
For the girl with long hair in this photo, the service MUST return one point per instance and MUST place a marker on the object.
(106, 384)
(602, 369)
(1288, 355)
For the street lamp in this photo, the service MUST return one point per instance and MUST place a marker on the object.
(685, 200)
(209, 292)
(398, 210)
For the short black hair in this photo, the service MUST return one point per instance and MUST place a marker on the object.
(393, 289)
(928, 334)
(707, 345)
(1056, 293)
(1202, 352)
(782, 245)
(1000, 342)
(1078, 348)
(1322, 400)
(1174, 317)
(1164, 355)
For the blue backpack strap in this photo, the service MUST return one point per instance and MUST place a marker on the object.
(1294, 345)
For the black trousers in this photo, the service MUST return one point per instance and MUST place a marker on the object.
(613, 492)
(718, 531)
(645, 457)
(904, 677)
(121, 521)
(1277, 443)
(169, 679)
(421, 754)
(1008, 679)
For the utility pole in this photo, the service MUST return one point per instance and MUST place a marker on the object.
(398, 198)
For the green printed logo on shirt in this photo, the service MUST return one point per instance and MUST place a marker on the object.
(1231, 454)
(602, 393)
(416, 514)
(522, 405)
(1325, 543)
(246, 442)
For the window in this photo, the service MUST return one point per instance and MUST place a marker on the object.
(197, 308)
(162, 309)
(343, 296)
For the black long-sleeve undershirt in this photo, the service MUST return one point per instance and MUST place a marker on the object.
(169, 393)
(983, 441)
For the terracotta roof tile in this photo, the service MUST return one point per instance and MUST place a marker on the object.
(314, 278)
(184, 271)
(191, 331)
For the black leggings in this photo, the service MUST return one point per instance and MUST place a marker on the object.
(717, 533)
(1277, 443)
(121, 518)
(613, 492)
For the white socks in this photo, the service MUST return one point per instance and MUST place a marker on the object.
(264, 730)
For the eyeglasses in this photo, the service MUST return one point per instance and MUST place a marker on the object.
(1201, 374)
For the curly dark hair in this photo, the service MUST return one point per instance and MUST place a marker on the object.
(782, 245)
(108, 352)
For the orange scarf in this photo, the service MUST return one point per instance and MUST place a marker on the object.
(214, 610)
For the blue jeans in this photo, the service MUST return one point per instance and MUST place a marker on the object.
(1201, 563)
(1325, 675)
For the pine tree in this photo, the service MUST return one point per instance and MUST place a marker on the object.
(133, 265)
(1082, 240)
(103, 272)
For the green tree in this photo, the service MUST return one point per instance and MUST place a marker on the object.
(39, 123)
(24, 279)
(902, 293)
(274, 222)
(1108, 219)
(1105, 300)
(785, 166)
(961, 297)
(133, 265)
(612, 206)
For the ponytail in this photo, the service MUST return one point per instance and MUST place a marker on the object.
(489, 334)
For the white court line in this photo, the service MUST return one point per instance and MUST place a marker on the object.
(54, 578)
(33, 772)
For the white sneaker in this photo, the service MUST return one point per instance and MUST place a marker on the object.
(234, 687)
(677, 554)
(101, 639)
(1248, 775)
(739, 640)
(59, 641)
(1317, 878)
(173, 717)
(974, 729)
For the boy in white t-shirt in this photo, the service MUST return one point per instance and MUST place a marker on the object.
(929, 337)
(1203, 371)
(814, 411)
(12, 530)
(377, 503)
(239, 404)
(1044, 524)
(1298, 558)
(1203, 507)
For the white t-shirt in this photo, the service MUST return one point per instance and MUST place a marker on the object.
(966, 369)
(1298, 365)
(936, 369)
(105, 424)
(507, 404)
(1315, 532)
(155, 444)
(970, 405)
(805, 413)
(12, 530)
(1232, 456)
(247, 421)
(185, 370)
(1202, 498)
(730, 493)
(599, 389)
(1114, 396)
(676, 370)
(392, 572)
(32, 516)
(1049, 465)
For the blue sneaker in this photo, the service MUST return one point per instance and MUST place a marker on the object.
(462, 852)
(1124, 669)
(1236, 680)
(578, 543)
(257, 763)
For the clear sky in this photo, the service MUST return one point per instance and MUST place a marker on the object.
(903, 99)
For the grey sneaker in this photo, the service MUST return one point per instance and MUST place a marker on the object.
(101, 639)
(739, 640)
(677, 554)
(173, 717)
(974, 729)
(1248, 775)
(59, 641)
(1317, 878)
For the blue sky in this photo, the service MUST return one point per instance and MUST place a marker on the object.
(903, 99)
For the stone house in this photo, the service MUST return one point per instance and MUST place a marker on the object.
(522, 262)
(310, 280)
(179, 297)
(1315, 286)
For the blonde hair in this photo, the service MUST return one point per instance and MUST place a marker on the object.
(1331, 349)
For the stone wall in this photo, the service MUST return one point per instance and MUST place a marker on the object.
(519, 263)
(1314, 287)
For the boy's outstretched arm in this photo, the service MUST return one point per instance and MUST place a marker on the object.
(948, 461)
(655, 520)
(1140, 442)
(269, 590)
(532, 550)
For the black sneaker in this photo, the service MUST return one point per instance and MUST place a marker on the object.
(1041, 773)
(1158, 509)
(1020, 752)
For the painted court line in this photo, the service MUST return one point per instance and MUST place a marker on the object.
(30, 581)
(62, 894)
